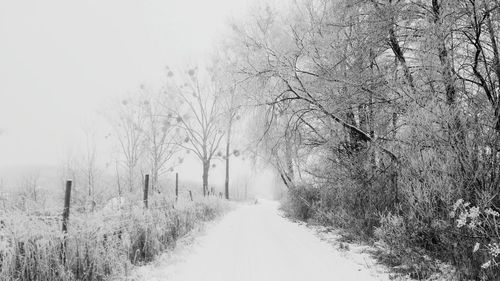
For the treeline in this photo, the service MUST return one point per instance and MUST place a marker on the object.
(156, 128)
(383, 117)
(153, 130)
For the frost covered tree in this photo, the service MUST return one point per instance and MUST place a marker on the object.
(385, 107)
(199, 116)
(161, 139)
(231, 103)
(127, 124)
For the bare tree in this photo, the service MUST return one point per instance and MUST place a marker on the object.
(89, 159)
(232, 99)
(200, 119)
(127, 125)
(161, 136)
(231, 116)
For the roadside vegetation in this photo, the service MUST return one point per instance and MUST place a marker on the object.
(100, 245)
(383, 118)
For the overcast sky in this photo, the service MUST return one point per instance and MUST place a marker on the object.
(62, 60)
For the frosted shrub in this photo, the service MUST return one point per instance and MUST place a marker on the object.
(483, 225)
(401, 238)
(300, 202)
(392, 232)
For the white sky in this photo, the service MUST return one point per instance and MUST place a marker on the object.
(63, 60)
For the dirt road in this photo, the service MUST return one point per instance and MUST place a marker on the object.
(255, 243)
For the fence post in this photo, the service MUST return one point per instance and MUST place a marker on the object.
(65, 217)
(146, 186)
(67, 200)
(176, 186)
(191, 195)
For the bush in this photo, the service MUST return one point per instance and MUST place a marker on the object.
(401, 239)
(299, 203)
(477, 231)
(98, 245)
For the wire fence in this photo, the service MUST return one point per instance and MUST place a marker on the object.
(116, 214)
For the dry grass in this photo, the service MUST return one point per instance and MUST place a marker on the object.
(99, 245)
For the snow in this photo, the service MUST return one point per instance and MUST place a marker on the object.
(255, 243)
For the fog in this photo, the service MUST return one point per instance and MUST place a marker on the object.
(65, 63)
(62, 62)
(293, 130)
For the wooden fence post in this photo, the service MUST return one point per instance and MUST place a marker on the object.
(67, 200)
(146, 186)
(65, 217)
(176, 186)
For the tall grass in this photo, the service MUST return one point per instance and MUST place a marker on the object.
(98, 246)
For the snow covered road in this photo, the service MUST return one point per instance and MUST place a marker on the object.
(255, 243)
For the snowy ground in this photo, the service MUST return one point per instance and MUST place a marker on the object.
(255, 243)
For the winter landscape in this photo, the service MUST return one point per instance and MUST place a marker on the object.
(249, 140)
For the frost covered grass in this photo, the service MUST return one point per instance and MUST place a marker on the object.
(463, 243)
(98, 246)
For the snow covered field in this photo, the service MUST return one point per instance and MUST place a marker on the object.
(255, 243)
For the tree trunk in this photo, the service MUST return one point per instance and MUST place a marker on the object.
(288, 157)
(118, 183)
(176, 186)
(226, 183)
(153, 180)
(496, 61)
(89, 182)
(130, 178)
(154, 175)
(398, 52)
(206, 167)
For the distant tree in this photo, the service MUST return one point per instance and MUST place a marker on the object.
(231, 107)
(127, 124)
(89, 163)
(161, 136)
(232, 113)
(199, 116)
